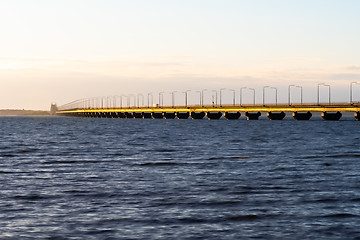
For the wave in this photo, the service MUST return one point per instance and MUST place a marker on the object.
(333, 156)
(340, 215)
(245, 217)
(158, 163)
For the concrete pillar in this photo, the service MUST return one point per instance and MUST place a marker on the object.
(276, 115)
(253, 115)
(302, 115)
(121, 115)
(147, 115)
(232, 115)
(197, 115)
(182, 115)
(357, 116)
(169, 115)
(213, 115)
(157, 115)
(129, 115)
(137, 115)
(332, 116)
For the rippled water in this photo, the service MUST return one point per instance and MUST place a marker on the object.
(80, 178)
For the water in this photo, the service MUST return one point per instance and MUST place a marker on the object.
(79, 178)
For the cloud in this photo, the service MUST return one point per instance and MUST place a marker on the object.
(345, 76)
(353, 67)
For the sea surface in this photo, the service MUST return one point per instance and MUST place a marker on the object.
(82, 178)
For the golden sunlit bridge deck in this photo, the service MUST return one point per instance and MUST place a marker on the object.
(274, 111)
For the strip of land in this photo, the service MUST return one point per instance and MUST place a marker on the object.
(19, 112)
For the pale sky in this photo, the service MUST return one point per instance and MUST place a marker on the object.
(63, 50)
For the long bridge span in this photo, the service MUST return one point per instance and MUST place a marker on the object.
(252, 112)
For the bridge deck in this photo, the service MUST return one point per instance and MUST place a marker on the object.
(226, 108)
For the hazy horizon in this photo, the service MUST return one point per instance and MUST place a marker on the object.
(60, 51)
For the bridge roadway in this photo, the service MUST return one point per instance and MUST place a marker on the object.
(274, 112)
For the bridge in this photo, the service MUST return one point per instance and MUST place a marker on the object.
(112, 107)
(252, 112)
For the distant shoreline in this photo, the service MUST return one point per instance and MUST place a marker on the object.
(18, 112)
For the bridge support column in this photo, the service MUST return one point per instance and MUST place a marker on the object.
(121, 115)
(197, 115)
(129, 115)
(302, 115)
(137, 115)
(357, 116)
(157, 115)
(276, 115)
(332, 116)
(232, 115)
(169, 115)
(213, 115)
(253, 115)
(147, 115)
(182, 115)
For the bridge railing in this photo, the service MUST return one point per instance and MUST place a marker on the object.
(138, 100)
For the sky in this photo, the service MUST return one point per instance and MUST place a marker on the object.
(63, 50)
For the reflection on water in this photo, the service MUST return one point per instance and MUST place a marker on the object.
(172, 179)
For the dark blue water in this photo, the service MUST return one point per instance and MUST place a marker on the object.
(79, 178)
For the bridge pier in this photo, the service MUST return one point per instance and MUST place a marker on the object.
(253, 115)
(147, 115)
(276, 115)
(197, 115)
(157, 115)
(302, 115)
(232, 115)
(129, 115)
(213, 115)
(169, 115)
(357, 116)
(182, 115)
(121, 115)
(332, 116)
(137, 115)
